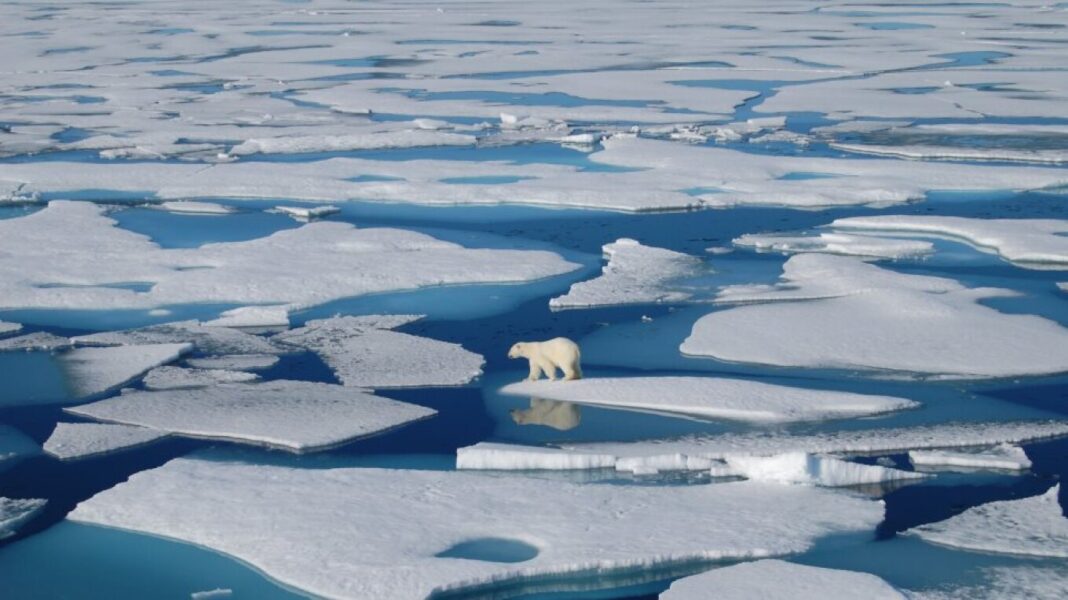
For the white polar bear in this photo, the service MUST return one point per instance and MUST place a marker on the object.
(546, 357)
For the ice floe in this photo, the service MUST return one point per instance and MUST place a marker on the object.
(635, 274)
(407, 522)
(73, 441)
(856, 315)
(835, 243)
(362, 141)
(780, 580)
(508, 457)
(1002, 457)
(174, 378)
(1034, 243)
(92, 371)
(932, 151)
(207, 339)
(307, 213)
(364, 352)
(38, 340)
(811, 469)
(1033, 526)
(294, 415)
(6, 328)
(712, 398)
(252, 316)
(15, 512)
(234, 362)
(195, 207)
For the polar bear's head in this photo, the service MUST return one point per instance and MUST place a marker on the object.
(518, 350)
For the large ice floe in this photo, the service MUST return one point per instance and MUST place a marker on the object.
(293, 415)
(15, 512)
(835, 243)
(839, 312)
(1033, 243)
(772, 579)
(72, 441)
(364, 352)
(1034, 526)
(411, 525)
(71, 255)
(635, 274)
(712, 398)
(1004, 457)
(91, 371)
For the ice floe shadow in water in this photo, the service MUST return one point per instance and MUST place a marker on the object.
(500, 550)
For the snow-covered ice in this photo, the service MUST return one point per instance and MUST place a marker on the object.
(6, 328)
(234, 362)
(634, 274)
(364, 352)
(294, 415)
(713, 398)
(195, 207)
(72, 441)
(508, 457)
(38, 340)
(1033, 526)
(835, 243)
(772, 579)
(15, 512)
(175, 378)
(361, 141)
(93, 371)
(402, 519)
(839, 312)
(209, 339)
(1002, 457)
(252, 316)
(307, 213)
(812, 469)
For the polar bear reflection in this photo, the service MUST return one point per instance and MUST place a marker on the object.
(550, 413)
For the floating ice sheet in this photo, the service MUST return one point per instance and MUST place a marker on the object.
(635, 274)
(93, 371)
(363, 352)
(365, 141)
(780, 580)
(235, 362)
(810, 469)
(294, 415)
(1034, 526)
(194, 207)
(403, 519)
(175, 378)
(860, 316)
(14, 512)
(712, 398)
(208, 339)
(252, 316)
(835, 243)
(72, 441)
(6, 328)
(307, 213)
(1003, 457)
(38, 340)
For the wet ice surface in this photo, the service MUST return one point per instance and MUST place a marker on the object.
(201, 148)
(780, 579)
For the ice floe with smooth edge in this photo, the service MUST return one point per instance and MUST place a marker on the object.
(859, 316)
(364, 352)
(635, 274)
(175, 378)
(811, 469)
(6, 327)
(1032, 243)
(712, 398)
(234, 362)
(206, 339)
(70, 255)
(293, 415)
(195, 207)
(38, 340)
(1033, 526)
(252, 316)
(73, 441)
(835, 243)
(15, 512)
(91, 371)
(1002, 457)
(404, 518)
(360, 141)
(780, 580)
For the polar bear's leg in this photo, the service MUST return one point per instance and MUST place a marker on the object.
(549, 368)
(535, 371)
(572, 371)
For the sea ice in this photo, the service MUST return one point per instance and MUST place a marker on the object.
(38, 340)
(214, 594)
(1002, 457)
(195, 207)
(779, 580)
(1017, 581)
(508, 457)
(713, 398)
(234, 362)
(307, 213)
(176, 378)
(404, 518)
(93, 371)
(72, 441)
(835, 243)
(360, 141)
(860, 316)
(364, 352)
(6, 327)
(294, 415)
(252, 316)
(207, 339)
(635, 274)
(811, 469)
(14, 512)
(1034, 526)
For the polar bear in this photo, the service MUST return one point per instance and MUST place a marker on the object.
(546, 357)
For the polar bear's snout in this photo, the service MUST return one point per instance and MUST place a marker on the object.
(548, 356)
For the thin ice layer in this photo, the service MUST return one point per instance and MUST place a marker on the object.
(15, 512)
(402, 519)
(93, 371)
(72, 441)
(1005, 457)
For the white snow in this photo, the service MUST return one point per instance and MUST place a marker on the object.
(1034, 526)
(712, 398)
(6, 327)
(360, 141)
(811, 469)
(491, 456)
(175, 378)
(835, 243)
(252, 316)
(208, 339)
(402, 518)
(1033, 243)
(294, 415)
(779, 580)
(235, 362)
(14, 512)
(858, 316)
(1002, 457)
(363, 352)
(38, 340)
(195, 207)
(72, 441)
(307, 213)
(635, 274)
(91, 371)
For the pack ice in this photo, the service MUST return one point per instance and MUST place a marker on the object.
(780, 580)
(404, 519)
(835, 243)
